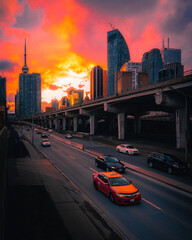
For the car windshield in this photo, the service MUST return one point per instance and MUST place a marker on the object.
(45, 140)
(118, 181)
(111, 160)
(129, 146)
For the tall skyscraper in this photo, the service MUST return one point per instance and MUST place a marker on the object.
(2, 91)
(171, 71)
(135, 68)
(75, 96)
(98, 82)
(170, 55)
(17, 104)
(152, 63)
(55, 104)
(29, 91)
(117, 55)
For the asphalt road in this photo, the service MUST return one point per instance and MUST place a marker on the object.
(140, 161)
(164, 213)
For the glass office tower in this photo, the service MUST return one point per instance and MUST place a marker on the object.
(29, 91)
(117, 55)
(152, 63)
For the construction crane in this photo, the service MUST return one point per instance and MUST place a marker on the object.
(111, 26)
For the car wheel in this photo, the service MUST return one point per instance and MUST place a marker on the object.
(127, 152)
(95, 185)
(150, 164)
(118, 150)
(111, 197)
(170, 170)
(96, 164)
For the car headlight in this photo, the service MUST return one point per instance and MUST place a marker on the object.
(113, 167)
(119, 195)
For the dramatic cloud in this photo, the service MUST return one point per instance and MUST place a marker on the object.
(66, 38)
(121, 8)
(178, 26)
(54, 87)
(11, 97)
(7, 65)
(180, 17)
(29, 18)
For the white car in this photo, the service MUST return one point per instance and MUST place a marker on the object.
(50, 130)
(45, 143)
(128, 149)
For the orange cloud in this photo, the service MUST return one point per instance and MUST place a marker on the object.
(69, 37)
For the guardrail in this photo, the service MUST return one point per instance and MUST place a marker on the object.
(74, 144)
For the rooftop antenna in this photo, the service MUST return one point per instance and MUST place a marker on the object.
(111, 26)
(163, 43)
(25, 54)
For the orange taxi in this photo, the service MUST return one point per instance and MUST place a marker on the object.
(116, 187)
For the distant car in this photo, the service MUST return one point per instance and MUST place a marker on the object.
(128, 149)
(38, 131)
(45, 142)
(46, 129)
(166, 162)
(109, 163)
(68, 136)
(44, 135)
(50, 130)
(116, 187)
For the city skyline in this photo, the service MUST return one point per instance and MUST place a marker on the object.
(52, 31)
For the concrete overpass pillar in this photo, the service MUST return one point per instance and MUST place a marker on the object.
(75, 124)
(137, 124)
(56, 124)
(64, 124)
(121, 125)
(50, 123)
(92, 124)
(181, 127)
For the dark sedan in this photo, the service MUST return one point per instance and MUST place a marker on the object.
(166, 162)
(109, 163)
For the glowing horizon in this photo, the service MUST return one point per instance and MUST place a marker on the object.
(66, 39)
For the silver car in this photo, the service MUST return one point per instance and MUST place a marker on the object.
(128, 149)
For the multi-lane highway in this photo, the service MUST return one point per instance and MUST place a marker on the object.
(164, 213)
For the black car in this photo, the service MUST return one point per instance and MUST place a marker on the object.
(109, 163)
(44, 135)
(166, 162)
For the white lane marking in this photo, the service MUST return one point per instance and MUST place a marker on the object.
(93, 169)
(152, 204)
(71, 157)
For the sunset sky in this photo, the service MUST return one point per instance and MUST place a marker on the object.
(66, 38)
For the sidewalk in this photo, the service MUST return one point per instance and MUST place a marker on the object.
(64, 212)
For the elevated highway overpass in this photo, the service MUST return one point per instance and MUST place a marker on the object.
(172, 96)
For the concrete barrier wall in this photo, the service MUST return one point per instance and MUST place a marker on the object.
(74, 144)
(3, 178)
